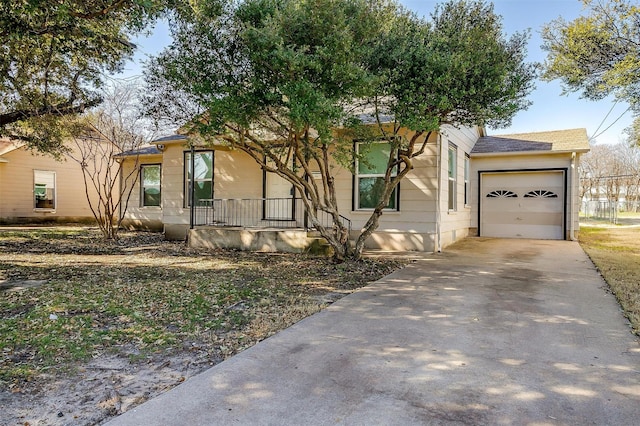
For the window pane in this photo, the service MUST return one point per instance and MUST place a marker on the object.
(467, 168)
(202, 165)
(202, 191)
(375, 159)
(467, 183)
(370, 191)
(151, 175)
(151, 192)
(44, 189)
(151, 197)
(452, 162)
(203, 172)
(452, 194)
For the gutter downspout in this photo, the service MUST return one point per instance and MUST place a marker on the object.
(572, 232)
(437, 246)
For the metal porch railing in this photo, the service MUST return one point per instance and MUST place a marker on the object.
(281, 213)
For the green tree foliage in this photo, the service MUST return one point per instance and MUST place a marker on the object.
(456, 68)
(293, 82)
(54, 54)
(598, 54)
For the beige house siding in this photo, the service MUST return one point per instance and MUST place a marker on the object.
(523, 162)
(136, 215)
(236, 175)
(454, 224)
(174, 216)
(17, 189)
(413, 227)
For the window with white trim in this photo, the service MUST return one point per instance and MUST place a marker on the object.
(369, 179)
(467, 180)
(150, 185)
(453, 177)
(203, 176)
(44, 190)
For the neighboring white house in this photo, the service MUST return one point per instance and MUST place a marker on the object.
(465, 183)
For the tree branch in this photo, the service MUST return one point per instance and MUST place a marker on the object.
(66, 108)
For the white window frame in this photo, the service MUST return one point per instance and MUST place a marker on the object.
(55, 190)
(143, 186)
(467, 180)
(358, 176)
(452, 177)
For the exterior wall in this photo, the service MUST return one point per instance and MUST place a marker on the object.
(423, 198)
(17, 189)
(236, 175)
(529, 162)
(423, 194)
(454, 224)
(136, 215)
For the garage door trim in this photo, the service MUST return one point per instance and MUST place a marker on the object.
(564, 171)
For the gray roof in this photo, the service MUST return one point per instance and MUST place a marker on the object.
(146, 150)
(572, 140)
(170, 138)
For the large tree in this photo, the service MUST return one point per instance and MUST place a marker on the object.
(598, 54)
(289, 82)
(457, 68)
(54, 54)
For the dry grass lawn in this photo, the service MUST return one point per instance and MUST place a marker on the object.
(616, 253)
(89, 329)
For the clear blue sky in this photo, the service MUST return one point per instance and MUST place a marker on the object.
(550, 110)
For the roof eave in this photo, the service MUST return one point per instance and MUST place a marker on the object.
(512, 153)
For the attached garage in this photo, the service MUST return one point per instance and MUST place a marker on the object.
(523, 204)
(526, 185)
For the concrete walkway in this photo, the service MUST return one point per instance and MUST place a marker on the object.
(491, 332)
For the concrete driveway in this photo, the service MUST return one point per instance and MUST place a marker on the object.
(491, 332)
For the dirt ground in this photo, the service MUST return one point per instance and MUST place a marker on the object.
(115, 380)
(102, 388)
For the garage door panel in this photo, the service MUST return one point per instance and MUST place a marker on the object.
(538, 218)
(536, 232)
(522, 205)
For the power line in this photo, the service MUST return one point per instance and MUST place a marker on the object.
(611, 125)
(605, 117)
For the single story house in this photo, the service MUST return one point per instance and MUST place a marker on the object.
(465, 183)
(40, 188)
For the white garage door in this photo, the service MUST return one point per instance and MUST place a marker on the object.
(522, 205)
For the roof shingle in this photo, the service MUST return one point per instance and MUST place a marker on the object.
(572, 140)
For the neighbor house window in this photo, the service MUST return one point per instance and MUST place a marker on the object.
(453, 172)
(369, 179)
(150, 185)
(44, 189)
(202, 177)
(467, 180)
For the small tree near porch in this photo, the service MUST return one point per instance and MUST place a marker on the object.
(289, 82)
(115, 127)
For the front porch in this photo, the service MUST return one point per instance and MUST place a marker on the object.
(263, 224)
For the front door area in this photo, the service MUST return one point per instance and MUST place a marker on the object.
(279, 200)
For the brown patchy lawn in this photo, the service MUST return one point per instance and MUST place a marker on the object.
(90, 329)
(616, 253)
